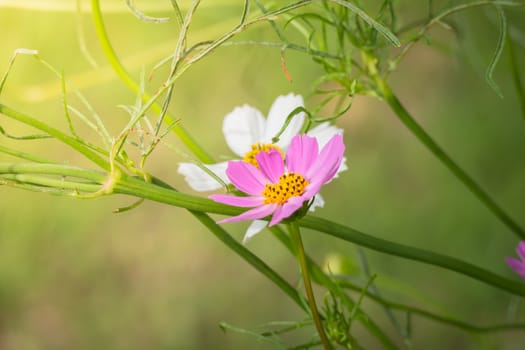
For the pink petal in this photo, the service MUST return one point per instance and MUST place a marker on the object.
(520, 249)
(286, 210)
(271, 164)
(252, 214)
(237, 201)
(328, 162)
(516, 265)
(246, 177)
(302, 154)
(311, 190)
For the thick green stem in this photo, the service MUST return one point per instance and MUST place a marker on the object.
(295, 234)
(425, 256)
(422, 135)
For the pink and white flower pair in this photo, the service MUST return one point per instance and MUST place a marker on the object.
(277, 187)
(248, 134)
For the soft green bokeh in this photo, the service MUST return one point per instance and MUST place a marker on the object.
(73, 275)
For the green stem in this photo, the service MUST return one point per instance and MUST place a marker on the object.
(138, 188)
(422, 135)
(295, 234)
(249, 257)
(53, 169)
(323, 279)
(425, 256)
(23, 155)
(74, 143)
(238, 248)
(45, 182)
(430, 315)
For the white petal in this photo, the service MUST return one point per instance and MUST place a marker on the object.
(243, 127)
(255, 227)
(200, 180)
(317, 203)
(324, 132)
(279, 111)
(342, 167)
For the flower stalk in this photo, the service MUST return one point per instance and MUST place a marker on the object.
(406, 118)
(295, 234)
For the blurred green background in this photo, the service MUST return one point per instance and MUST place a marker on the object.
(73, 275)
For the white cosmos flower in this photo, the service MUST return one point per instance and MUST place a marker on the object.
(247, 132)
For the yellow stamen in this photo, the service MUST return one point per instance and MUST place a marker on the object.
(290, 185)
(249, 157)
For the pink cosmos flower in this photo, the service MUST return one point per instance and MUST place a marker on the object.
(518, 265)
(278, 189)
(247, 132)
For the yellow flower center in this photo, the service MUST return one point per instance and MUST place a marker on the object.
(290, 185)
(249, 157)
